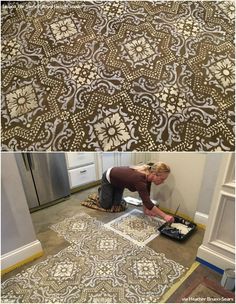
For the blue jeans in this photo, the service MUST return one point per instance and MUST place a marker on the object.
(109, 195)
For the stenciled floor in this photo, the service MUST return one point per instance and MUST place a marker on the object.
(118, 75)
(183, 253)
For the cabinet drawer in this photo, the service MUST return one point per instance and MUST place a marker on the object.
(79, 159)
(82, 175)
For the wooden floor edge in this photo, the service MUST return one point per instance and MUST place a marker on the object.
(30, 259)
(170, 292)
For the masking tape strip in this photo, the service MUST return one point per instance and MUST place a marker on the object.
(30, 259)
(170, 292)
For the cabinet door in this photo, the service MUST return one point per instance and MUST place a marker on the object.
(141, 157)
(114, 159)
(77, 159)
(81, 176)
(125, 159)
(109, 160)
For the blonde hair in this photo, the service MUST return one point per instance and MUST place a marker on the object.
(156, 168)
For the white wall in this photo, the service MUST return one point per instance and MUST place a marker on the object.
(191, 183)
(183, 186)
(211, 171)
(17, 229)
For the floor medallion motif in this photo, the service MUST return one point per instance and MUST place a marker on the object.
(139, 54)
(135, 226)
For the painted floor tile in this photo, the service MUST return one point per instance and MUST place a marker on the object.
(118, 75)
(136, 227)
(99, 267)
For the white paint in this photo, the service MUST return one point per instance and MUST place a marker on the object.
(181, 227)
(20, 254)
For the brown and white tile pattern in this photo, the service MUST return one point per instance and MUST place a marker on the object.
(136, 227)
(99, 267)
(142, 75)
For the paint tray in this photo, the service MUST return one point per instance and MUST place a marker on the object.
(174, 233)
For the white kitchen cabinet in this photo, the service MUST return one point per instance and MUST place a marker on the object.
(125, 158)
(86, 167)
(79, 159)
(82, 175)
(142, 157)
(113, 159)
(81, 168)
(109, 159)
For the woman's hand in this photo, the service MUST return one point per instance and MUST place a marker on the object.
(169, 218)
(145, 210)
(157, 212)
(148, 212)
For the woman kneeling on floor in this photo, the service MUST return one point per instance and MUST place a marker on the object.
(134, 178)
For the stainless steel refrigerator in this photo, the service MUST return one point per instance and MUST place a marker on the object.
(44, 177)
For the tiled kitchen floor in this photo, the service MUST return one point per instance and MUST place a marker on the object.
(183, 253)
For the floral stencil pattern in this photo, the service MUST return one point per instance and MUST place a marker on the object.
(10, 49)
(79, 273)
(139, 49)
(63, 29)
(63, 270)
(135, 226)
(84, 73)
(228, 9)
(21, 101)
(172, 99)
(113, 9)
(188, 27)
(111, 132)
(118, 75)
(223, 70)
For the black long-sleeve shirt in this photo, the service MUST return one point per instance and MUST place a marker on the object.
(125, 177)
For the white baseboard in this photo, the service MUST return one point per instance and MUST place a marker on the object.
(201, 218)
(215, 258)
(21, 254)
